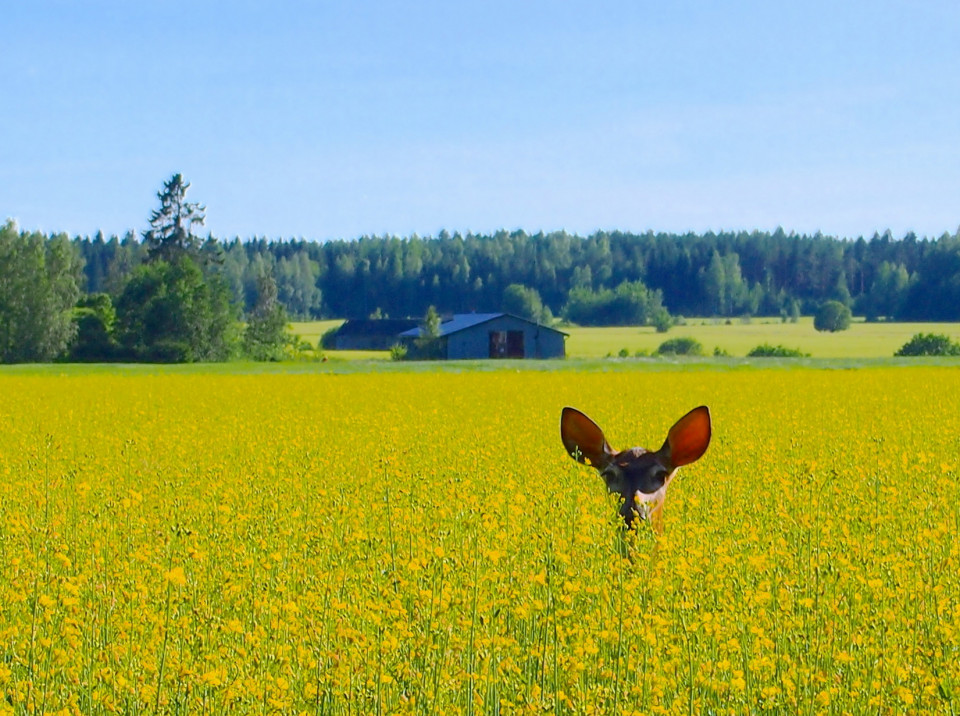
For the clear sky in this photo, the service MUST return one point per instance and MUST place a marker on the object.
(337, 119)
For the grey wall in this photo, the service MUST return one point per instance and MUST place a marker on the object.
(474, 342)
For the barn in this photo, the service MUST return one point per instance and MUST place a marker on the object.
(493, 335)
(369, 335)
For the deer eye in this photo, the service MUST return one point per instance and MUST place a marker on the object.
(658, 476)
(613, 476)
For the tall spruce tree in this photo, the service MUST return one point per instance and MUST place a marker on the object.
(171, 226)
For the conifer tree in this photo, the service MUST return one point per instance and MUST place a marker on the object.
(171, 226)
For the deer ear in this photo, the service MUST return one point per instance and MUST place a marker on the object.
(583, 439)
(688, 438)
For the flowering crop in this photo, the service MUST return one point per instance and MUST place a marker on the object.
(419, 542)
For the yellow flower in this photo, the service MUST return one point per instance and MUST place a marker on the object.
(212, 678)
(176, 577)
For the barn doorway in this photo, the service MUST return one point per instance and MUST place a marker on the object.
(506, 344)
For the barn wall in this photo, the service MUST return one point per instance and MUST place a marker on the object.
(365, 342)
(474, 342)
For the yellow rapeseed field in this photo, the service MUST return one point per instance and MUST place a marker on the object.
(419, 542)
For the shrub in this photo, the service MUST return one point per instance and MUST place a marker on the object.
(929, 344)
(398, 351)
(95, 317)
(301, 350)
(766, 350)
(832, 316)
(662, 321)
(624, 353)
(681, 347)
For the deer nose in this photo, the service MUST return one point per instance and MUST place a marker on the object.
(641, 504)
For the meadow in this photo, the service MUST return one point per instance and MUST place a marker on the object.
(737, 338)
(404, 541)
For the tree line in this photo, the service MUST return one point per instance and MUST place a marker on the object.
(711, 274)
(169, 303)
(168, 294)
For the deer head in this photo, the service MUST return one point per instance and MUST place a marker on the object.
(639, 476)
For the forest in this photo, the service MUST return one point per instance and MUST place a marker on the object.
(709, 274)
(170, 295)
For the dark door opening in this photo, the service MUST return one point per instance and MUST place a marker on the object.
(506, 344)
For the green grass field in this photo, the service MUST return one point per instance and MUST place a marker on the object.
(862, 340)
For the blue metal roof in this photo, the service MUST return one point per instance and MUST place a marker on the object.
(461, 321)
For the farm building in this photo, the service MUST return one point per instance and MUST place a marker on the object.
(493, 335)
(369, 335)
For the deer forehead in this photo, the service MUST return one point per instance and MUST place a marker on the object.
(625, 457)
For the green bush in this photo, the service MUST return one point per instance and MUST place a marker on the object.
(94, 317)
(766, 350)
(301, 350)
(929, 344)
(832, 316)
(662, 320)
(398, 351)
(681, 347)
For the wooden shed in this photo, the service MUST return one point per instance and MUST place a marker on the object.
(493, 335)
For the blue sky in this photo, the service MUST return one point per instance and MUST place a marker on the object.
(336, 119)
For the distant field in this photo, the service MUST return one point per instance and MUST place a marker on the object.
(862, 340)
(311, 331)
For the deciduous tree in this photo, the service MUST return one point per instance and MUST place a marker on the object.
(170, 313)
(266, 334)
(832, 316)
(39, 280)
